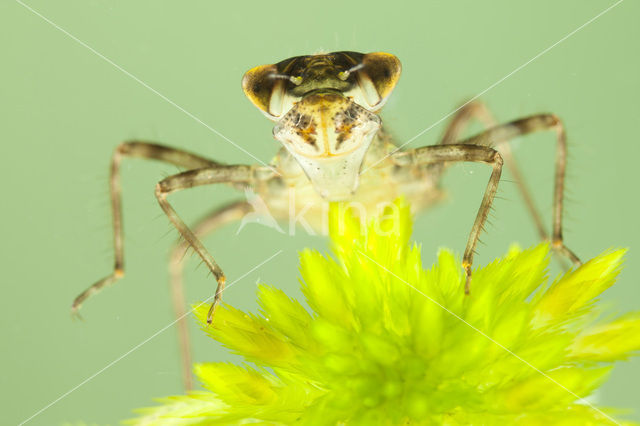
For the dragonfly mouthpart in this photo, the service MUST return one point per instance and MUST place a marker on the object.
(328, 134)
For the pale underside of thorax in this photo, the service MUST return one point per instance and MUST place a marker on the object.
(381, 181)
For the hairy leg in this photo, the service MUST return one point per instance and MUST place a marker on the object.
(208, 224)
(237, 174)
(500, 135)
(477, 110)
(134, 149)
(439, 154)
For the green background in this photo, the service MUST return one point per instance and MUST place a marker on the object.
(63, 109)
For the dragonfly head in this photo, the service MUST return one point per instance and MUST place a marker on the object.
(324, 106)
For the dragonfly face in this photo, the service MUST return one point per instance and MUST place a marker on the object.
(328, 135)
(324, 107)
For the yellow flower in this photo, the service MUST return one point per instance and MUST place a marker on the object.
(386, 342)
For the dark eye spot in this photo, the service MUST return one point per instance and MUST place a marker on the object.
(304, 121)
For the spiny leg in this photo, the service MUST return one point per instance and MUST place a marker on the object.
(503, 133)
(438, 154)
(136, 149)
(477, 110)
(206, 176)
(212, 221)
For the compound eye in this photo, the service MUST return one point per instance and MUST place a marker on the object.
(377, 76)
(265, 89)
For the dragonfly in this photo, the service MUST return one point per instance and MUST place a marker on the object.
(334, 147)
